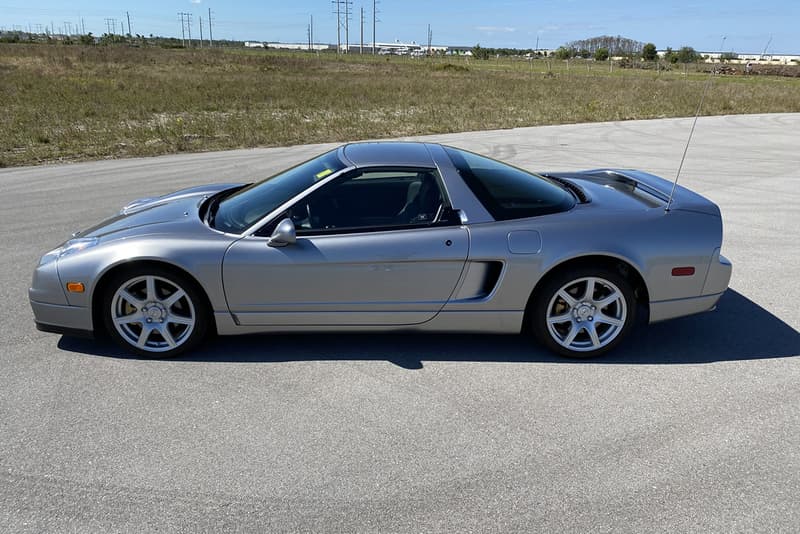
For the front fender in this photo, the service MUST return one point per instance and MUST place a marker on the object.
(200, 258)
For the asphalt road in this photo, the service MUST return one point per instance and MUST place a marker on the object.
(694, 425)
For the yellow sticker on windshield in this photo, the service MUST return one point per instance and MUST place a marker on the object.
(323, 174)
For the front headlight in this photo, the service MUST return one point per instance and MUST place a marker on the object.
(70, 247)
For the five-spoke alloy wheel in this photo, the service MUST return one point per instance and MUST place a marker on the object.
(154, 312)
(584, 312)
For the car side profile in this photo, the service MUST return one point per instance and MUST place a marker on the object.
(391, 236)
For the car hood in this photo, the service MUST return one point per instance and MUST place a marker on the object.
(148, 213)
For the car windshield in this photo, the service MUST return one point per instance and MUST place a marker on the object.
(508, 192)
(242, 209)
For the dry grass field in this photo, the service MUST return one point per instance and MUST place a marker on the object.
(66, 103)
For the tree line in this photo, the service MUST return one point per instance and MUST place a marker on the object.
(598, 48)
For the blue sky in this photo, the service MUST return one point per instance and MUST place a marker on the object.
(747, 26)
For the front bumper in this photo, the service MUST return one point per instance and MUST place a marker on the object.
(68, 320)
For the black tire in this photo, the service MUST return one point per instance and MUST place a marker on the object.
(154, 312)
(592, 324)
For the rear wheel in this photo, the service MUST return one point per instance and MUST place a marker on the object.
(154, 312)
(583, 312)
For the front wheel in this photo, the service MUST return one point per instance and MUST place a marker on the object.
(584, 312)
(154, 312)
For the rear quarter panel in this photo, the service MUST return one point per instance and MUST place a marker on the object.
(652, 241)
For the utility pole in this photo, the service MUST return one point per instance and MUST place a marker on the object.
(430, 38)
(129, 22)
(83, 27)
(183, 28)
(374, 21)
(189, 25)
(338, 26)
(201, 31)
(68, 26)
(347, 24)
(108, 26)
(361, 48)
(347, 14)
(210, 36)
(311, 33)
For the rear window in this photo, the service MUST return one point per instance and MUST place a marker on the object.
(508, 192)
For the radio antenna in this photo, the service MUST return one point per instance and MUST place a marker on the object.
(691, 132)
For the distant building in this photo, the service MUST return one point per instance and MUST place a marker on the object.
(317, 47)
(743, 59)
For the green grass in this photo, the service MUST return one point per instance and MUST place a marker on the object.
(65, 103)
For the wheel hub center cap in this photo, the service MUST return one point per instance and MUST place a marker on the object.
(583, 311)
(155, 312)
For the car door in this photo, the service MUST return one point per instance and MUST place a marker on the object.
(373, 248)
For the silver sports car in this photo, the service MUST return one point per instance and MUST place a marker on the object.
(391, 236)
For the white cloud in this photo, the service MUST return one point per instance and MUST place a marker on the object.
(496, 29)
(195, 1)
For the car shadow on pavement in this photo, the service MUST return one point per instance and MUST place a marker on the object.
(738, 330)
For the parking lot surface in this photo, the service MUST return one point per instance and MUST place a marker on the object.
(693, 425)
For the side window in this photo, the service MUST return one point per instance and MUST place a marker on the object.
(508, 192)
(372, 199)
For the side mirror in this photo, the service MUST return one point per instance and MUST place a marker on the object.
(283, 235)
(453, 216)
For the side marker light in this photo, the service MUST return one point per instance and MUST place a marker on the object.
(76, 287)
(683, 271)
